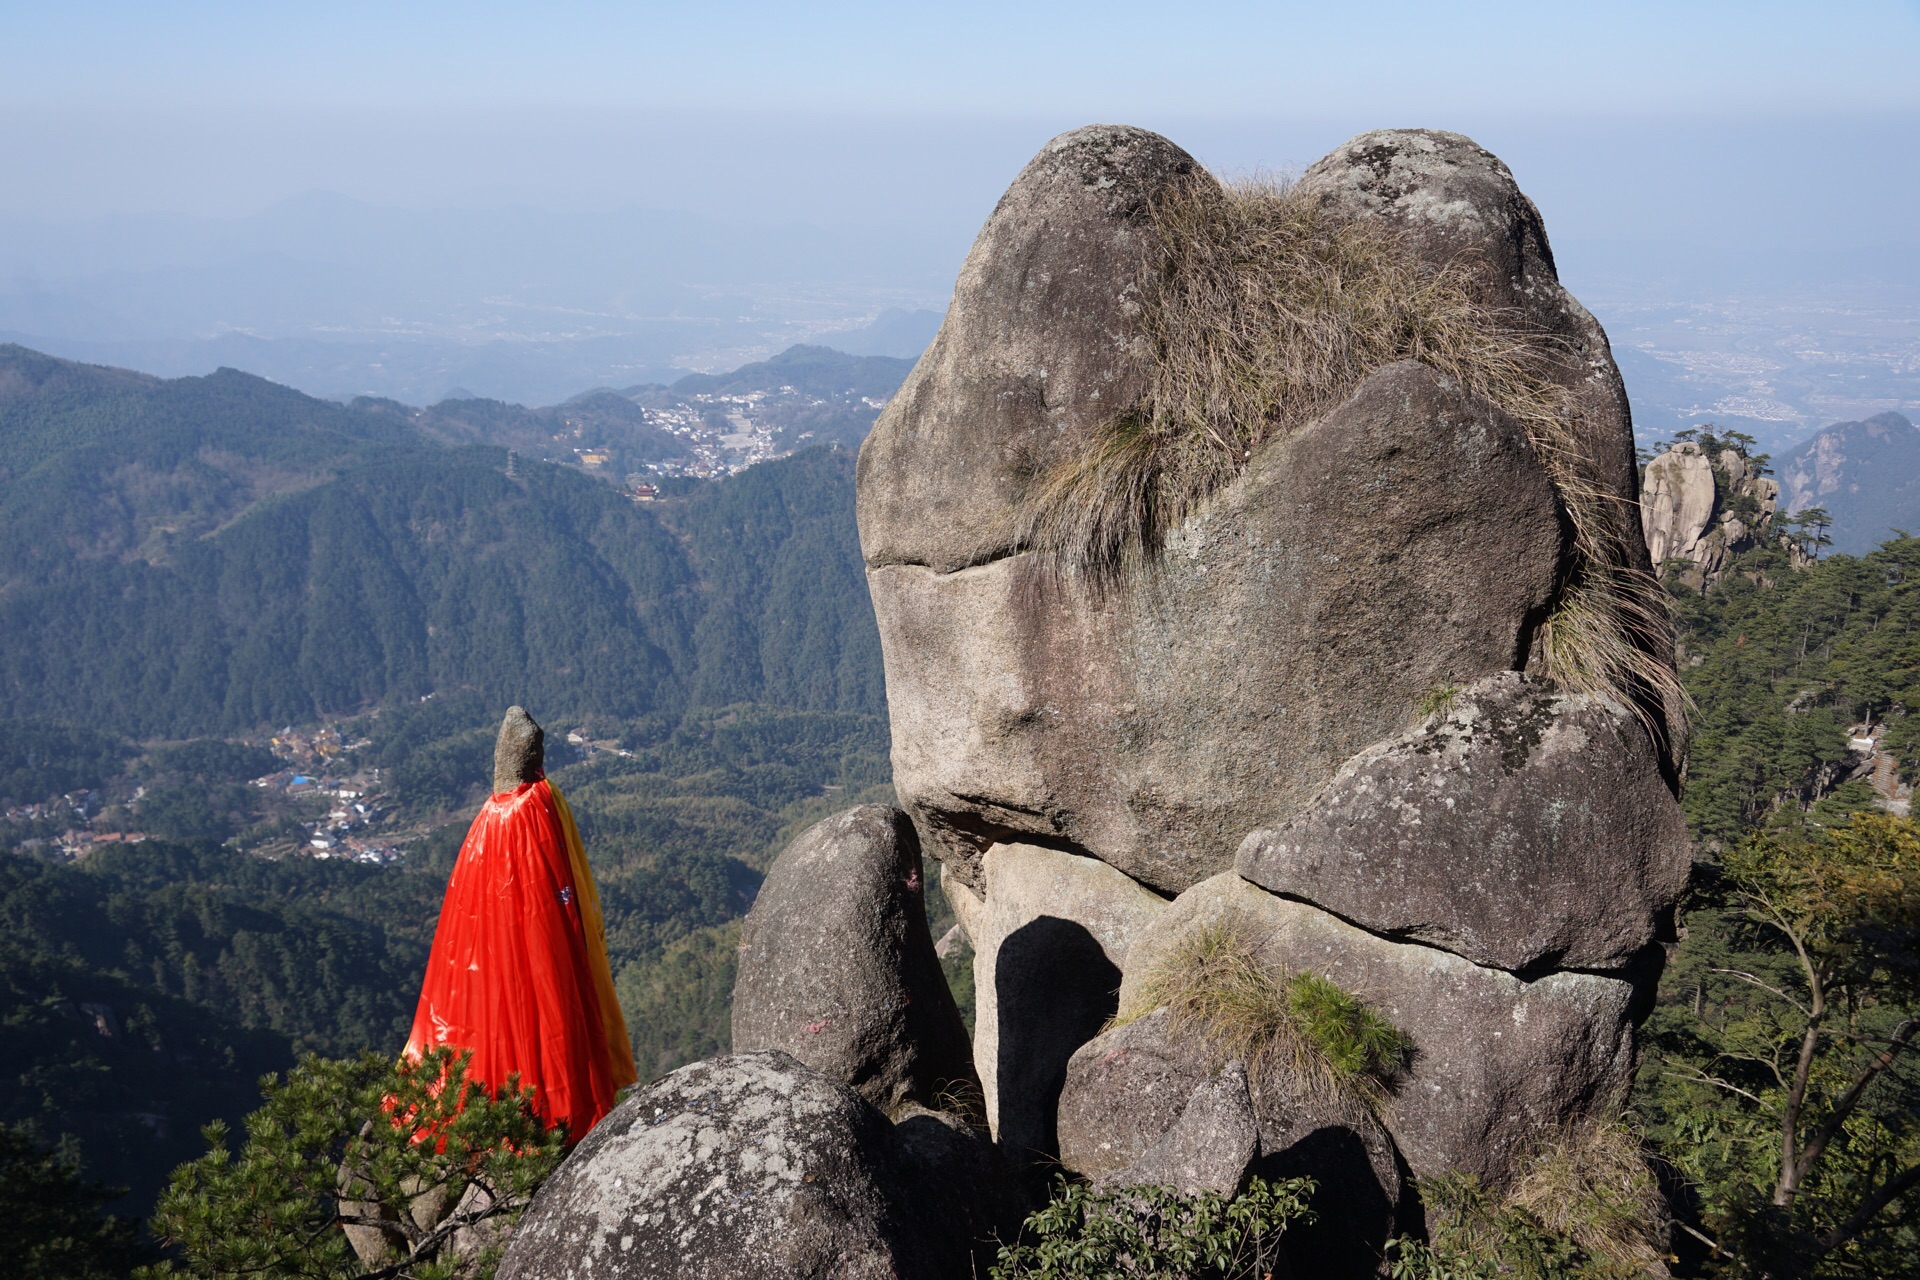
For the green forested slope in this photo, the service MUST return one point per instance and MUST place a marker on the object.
(1780, 663)
(225, 554)
(144, 989)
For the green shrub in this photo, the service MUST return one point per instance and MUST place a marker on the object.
(411, 1152)
(1475, 1235)
(53, 1228)
(1153, 1233)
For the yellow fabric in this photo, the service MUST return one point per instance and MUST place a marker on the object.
(596, 929)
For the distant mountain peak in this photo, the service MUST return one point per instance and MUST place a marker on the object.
(1867, 473)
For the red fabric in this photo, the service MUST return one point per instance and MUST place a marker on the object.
(509, 976)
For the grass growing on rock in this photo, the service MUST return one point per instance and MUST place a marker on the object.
(1263, 309)
(1300, 1028)
(1591, 1183)
(1586, 1207)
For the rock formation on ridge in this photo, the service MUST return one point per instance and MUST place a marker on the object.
(1378, 703)
(1702, 505)
(1257, 685)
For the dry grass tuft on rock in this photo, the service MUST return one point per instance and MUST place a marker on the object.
(1586, 1207)
(1264, 309)
(1302, 1028)
(1591, 1184)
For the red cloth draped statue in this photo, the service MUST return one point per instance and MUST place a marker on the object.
(518, 972)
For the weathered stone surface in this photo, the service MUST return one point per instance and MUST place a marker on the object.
(1457, 203)
(1049, 943)
(1519, 827)
(1677, 502)
(969, 908)
(519, 753)
(1143, 1104)
(1037, 347)
(1123, 1089)
(837, 967)
(1210, 1147)
(1498, 1060)
(752, 1167)
(1407, 539)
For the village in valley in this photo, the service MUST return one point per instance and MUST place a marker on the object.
(324, 801)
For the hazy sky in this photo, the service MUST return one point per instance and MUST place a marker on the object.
(1741, 127)
(218, 108)
(977, 59)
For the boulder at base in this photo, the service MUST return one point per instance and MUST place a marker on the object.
(1498, 1061)
(837, 967)
(1147, 1102)
(1210, 1147)
(1570, 850)
(753, 1167)
(1049, 942)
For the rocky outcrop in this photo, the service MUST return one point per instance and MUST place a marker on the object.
(1578, 852)
(1339, 650)
(752, 1167)
(1137, 727)
(1049, 941)
(1498, 1060)
(837, 967)
(1676, 505)
(1700, 506)
(1146, 1103)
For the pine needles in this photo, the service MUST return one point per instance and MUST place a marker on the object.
(1302, 1028)
(1264, 310)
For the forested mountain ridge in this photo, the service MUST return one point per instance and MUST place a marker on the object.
(220, 554)
(1867, 474)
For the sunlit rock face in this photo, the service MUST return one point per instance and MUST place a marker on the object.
(1319, 712)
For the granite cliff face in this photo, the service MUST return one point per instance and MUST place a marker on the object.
(1332, 713)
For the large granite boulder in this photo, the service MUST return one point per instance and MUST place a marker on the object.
(1407, 539)
(1049, 940)
(1574, 849)
(1677, 503)
(1498, 1061)
(1146, 1102)
(838, 969)
(752, 1167)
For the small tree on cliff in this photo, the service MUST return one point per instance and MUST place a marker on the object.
(424, 1169)
(1790, 1092)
